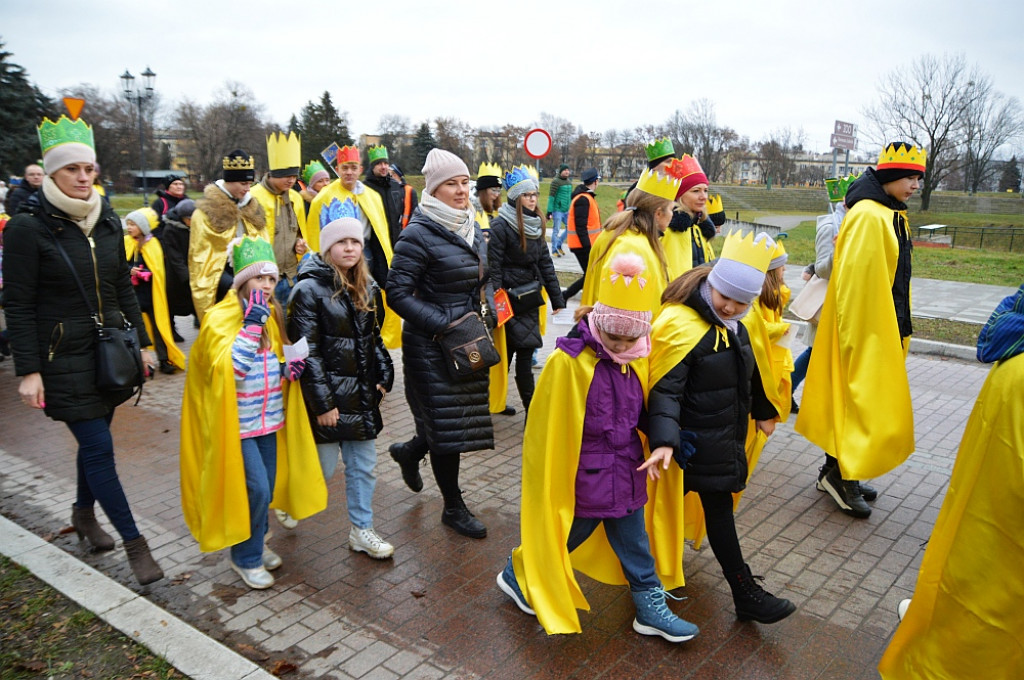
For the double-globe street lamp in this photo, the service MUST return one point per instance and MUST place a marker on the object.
(139, 97)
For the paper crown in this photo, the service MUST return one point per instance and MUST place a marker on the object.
(336, 209)
(348, 154)
(902, 156)
(714, 205)
(311, 169)
(64, 131)
(744, 249)
(284, 153)
(377, 153)
(626, 282)
(687, 170)
(838, 186)
(519, 173)
(250, 250)
(489, 170)
(654, 182)
(659, 148)
(232, 162)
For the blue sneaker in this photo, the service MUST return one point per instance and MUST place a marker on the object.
(653, 617)
(508, 585)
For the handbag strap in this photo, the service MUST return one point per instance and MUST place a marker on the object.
(74, 273)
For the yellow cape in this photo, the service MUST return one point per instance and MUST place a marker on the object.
(856, 403)
(498, 373)
(551, 448)
(213, 495)
(629, 241)
(965, 621)
(370, 203)
(678, 248)
(153, 256)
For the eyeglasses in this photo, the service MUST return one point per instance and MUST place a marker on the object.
(532, 194)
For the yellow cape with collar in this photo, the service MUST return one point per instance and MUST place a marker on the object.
(370, 203)
(213, 495)
(678, 248)
(628, 241)
(856, 403)
(551, 449)
(269, 203)
(153, 256)
(965, 621)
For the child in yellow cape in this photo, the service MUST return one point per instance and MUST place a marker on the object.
(246, 442)
(584, 476)
(146, 254)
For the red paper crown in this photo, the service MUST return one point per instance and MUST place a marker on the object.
(348, 154)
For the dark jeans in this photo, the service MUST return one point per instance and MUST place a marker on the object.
(97, 475)
(628, 538)
(524, 371)
(800, 365)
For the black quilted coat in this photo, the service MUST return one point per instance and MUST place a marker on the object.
(510, 266)
(435, 279)
(347, 358)
(48, 322)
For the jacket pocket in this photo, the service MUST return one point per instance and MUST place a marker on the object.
(595, 481)
(56, 335)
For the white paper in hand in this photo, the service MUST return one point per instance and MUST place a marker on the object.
(299, 350)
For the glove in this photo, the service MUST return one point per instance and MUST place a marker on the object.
(686, 448)
(717, 219)
(549, 216)
(257, 312)
(294, 368)
(681, 221)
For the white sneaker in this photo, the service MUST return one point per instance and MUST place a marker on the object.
(367, 541)
(271, 560)
(257, 578)
(286, 520)
(901, 609)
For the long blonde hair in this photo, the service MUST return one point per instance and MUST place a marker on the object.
(639, 216)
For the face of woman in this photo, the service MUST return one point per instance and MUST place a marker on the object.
(75, 180)
(663, 215)
(726, 307)
(454, 193)
(529, 200)
(616, 343)
(320, 184)
(238, 190)
(346, 253)
(176, 188)
(695, 199)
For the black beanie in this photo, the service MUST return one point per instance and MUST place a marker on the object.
(892, 174)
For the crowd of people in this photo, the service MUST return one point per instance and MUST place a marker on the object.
(646, 422)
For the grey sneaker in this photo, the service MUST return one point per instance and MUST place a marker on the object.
(257, 578)
(367, 541)
(653, 617)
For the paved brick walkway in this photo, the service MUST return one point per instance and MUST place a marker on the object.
(434, 611)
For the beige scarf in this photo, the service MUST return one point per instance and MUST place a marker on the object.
(83, 213)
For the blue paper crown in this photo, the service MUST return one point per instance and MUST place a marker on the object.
(335, 210)
(516, 175)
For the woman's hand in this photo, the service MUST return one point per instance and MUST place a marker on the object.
(31, 390)
(766, 426)
(329, 419)
(662, 455)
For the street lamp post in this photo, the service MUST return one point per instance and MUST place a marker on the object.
(139, 97)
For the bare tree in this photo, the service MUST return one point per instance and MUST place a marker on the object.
(455, 135)
(563, 136)
(993, 120)
(776, 155)
(115, 124)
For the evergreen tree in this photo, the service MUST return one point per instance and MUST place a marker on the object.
(22, 107)
(422, 143)
(294, 126)
(1010, 179)
(319, 124)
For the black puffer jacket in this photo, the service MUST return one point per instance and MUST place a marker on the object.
(435, 279)
(347, 358)
(174, 240)
(393, 197)
(712, 392)
(511, 267)
(49, 325)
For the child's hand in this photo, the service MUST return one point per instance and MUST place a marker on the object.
(294, 368)
(257, 312)
(661, 455)
(329, 419)
(686, 447)
(766, 426)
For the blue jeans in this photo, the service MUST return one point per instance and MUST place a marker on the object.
(360, 458)
(97, 475)
(628, 538)
(259, 456)
(558, 232)
(800, 365)
(282, 290)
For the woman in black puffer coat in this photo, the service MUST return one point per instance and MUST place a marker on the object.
(518, 255)
(53, 336)
(437, 272)
(348, 370)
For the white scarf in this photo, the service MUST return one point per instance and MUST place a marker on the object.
(461, 222)
(84, 213)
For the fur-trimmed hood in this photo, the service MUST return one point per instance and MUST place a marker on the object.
(222, 213)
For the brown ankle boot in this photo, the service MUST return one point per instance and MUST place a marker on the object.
(86, 526)
(144, 567)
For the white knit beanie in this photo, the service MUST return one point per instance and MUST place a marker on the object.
(440, 167)
(66, 154)
(339, 229)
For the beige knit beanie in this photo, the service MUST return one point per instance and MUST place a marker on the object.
(440, 167)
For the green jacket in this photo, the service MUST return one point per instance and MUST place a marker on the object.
(559, 195)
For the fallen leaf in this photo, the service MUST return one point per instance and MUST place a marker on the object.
(282, 667)
(419, 593)
(251, 653)
(34, 666)
(181, 578)
(66, 530)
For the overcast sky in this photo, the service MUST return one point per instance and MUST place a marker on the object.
(600, 64)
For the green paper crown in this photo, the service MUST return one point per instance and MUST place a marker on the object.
(311, 169)
(250, 250)
(64, 131)
(838, 186)
(377, 153)
(660, 148)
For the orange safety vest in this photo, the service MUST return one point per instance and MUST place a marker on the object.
(408, 206)
(593, 221)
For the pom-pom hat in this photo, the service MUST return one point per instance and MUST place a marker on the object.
(625, 297)
(739, 271)
(252, 257)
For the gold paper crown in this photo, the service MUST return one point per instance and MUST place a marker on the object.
(627, 282)
(284, 152)
(489, 170)
(902, 156)
(660, 185)
(64, 131)
(714, 205)
(744, 249)
(238, 163)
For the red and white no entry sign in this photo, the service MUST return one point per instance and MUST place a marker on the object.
(537, 143)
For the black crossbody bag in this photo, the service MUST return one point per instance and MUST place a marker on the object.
(467, 342)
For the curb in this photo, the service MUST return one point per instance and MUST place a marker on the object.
(187, 649)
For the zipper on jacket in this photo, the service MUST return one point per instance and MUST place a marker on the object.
(96, 277)
(58, 330)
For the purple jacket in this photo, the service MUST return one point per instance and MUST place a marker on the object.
(607, 482)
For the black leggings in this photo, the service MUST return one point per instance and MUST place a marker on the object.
(524, 371)
(446, 474)
(721, 526)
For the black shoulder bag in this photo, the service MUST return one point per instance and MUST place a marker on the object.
(467, 343)
(119, 371)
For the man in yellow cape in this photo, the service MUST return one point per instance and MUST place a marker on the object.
(965, 621)
(378, 250)
(857, 395)
(213, 493)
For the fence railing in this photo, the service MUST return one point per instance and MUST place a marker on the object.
(1005, 239)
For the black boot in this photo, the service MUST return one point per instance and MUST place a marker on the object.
(408, 457)
(869, 493)
(86, 526)
(459, 518)
(846, 493)
(754, 603)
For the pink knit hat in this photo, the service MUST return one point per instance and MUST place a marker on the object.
(440, 167)
(624, 297)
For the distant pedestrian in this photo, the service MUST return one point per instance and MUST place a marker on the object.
(584, 225)
(170, 195)
(29, 185)
(559, 197)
